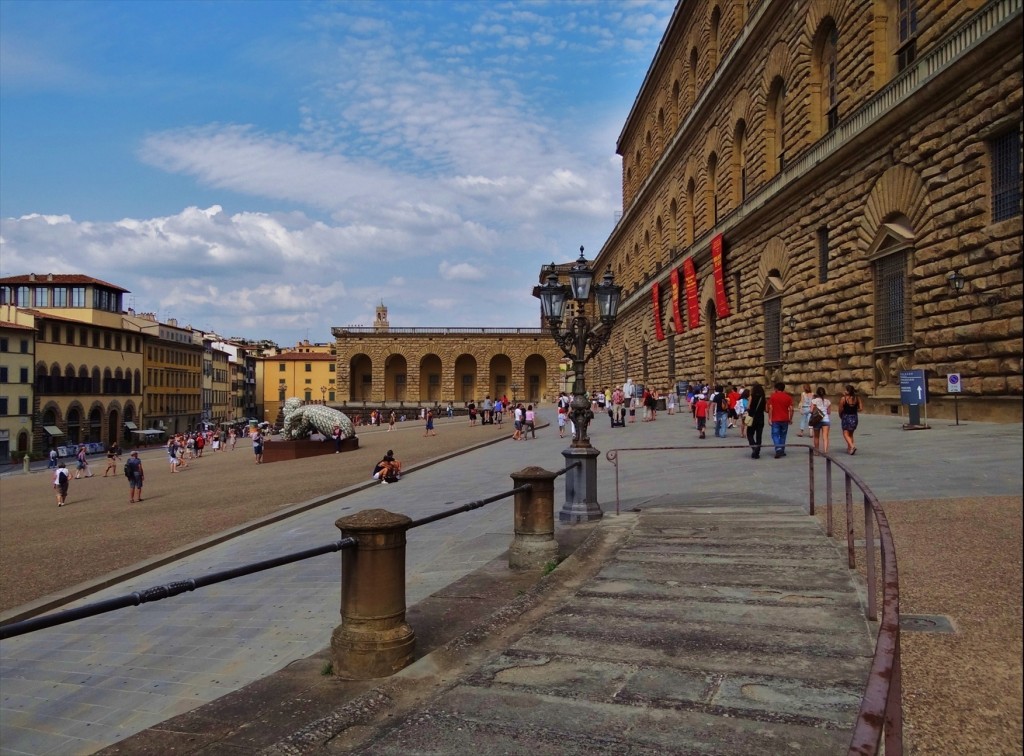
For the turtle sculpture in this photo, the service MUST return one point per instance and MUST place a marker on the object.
(302, 420)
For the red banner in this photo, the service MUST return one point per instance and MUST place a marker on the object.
(717, 255)
(692, 302)
(677, 315)
(659, 331)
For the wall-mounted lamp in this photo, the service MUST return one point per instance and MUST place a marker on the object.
(956, 282)
(791, 322)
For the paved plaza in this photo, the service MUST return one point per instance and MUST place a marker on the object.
(83, 686)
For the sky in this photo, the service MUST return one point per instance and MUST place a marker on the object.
(274, 169)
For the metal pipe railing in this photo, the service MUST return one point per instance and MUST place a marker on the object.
(167, 590)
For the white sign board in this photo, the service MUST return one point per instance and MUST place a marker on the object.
(953, 383)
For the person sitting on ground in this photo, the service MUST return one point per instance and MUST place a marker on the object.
(388, 470)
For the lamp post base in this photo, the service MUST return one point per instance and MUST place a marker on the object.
(581, 486)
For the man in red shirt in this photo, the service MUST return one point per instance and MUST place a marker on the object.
(733, 396)
(780, 414)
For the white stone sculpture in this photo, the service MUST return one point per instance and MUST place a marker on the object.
(302, 420)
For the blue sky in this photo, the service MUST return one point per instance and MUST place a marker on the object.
(273, 169)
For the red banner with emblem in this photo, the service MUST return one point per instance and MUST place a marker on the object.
(677, 315)
(659, 331)
(690, 282)
(717, 260)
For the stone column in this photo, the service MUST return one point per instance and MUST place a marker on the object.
(534, 543)
(373, 639)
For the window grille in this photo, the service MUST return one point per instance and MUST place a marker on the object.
(1006, 175)
(892, 314)
(773, 330)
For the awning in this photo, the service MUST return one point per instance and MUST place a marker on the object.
(149, 432)
(130, 425)
(53, 430)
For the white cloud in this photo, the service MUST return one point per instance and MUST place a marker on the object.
(460, 271)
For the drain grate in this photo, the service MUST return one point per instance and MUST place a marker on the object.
(927, 623)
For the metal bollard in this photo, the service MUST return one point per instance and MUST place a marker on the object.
(534, 543)
(373, 639)
(24, 464)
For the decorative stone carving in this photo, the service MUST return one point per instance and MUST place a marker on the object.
(302, 420)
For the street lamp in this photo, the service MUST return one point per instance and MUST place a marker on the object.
(323, 395)
(580, 341)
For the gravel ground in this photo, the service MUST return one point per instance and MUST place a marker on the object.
(45, 549)
(962, 693)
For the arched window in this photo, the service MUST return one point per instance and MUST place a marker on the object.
(739, 162)
(823, 84)
(676, 105)
(711, 195)
(890, 254)
(692, 83)
(673, 211)
(688, 220)
(775, 128)
(716, 21)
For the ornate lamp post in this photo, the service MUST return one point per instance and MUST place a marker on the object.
(580, 341)
(323, 395)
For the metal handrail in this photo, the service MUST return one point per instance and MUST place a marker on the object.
(167, 590)
(881, 709)
(481, 502)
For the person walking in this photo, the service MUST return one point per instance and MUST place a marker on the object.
(700, 412)
(531, 420)
(52, 464)
(517, 418)
(61, 481)
(720, 402)
(629, 398)
(392, 419)
(83, 463)
(741, 411)
(850, 406)
(754, 420)
(232, 439)
(780, 413)
(113, 455)
(429, 429)
(257, 446)
(806, 397)
(822, 404)
(135, 474)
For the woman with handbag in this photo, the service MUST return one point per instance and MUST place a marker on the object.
(820, 421)
(849, 407)
(806, 397)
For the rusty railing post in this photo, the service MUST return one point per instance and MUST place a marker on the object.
(533, 545)
(373, 639)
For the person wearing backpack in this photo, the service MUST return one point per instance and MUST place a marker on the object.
(61, 480)
(136, 475)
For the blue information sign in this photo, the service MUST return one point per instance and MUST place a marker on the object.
(913, 389)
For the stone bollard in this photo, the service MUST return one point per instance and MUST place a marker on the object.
(373, 639)
(534, 543)
(24, 464)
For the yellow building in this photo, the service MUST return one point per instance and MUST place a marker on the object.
(17, 376)
(308, 372)
(88, 368)
(826, 192)
(172, 370)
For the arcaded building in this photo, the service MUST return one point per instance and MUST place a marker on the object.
(379, 364)
(806, 185)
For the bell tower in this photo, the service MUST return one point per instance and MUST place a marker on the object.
(381, 322)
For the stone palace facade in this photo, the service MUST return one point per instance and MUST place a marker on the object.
(804, 183)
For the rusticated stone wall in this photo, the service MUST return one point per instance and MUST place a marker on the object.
(907, 170)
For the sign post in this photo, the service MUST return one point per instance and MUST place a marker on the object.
(953, 387)
(914, 394)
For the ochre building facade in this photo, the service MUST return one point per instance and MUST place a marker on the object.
(803, 182)
(433, 366)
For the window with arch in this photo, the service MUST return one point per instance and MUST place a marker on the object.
(713, 48)
(775, 127)
(649, 147)
(711, 197)
(739, 162)
(676, 105)
(688, 213)
(661, 126)
(694, 57)
(771, 306)
(673, 211)
(890, 256)
(823, 84)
